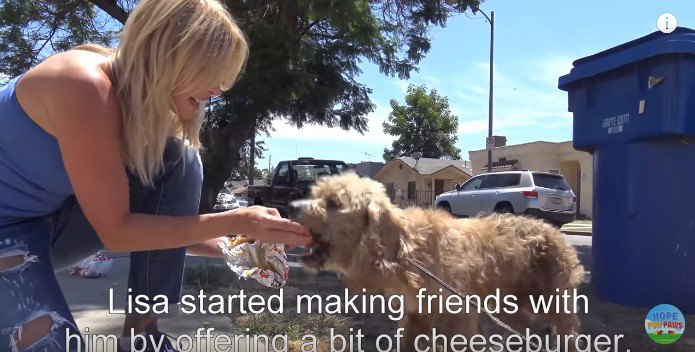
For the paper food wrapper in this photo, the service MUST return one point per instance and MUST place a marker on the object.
(263, 262)
(96, 265)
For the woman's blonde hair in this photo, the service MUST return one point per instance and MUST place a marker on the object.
(170, 47)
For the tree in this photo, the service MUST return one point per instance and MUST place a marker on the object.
(30, 30)
(241, 171)
(424, 124)
(303, 63)
(268, 175)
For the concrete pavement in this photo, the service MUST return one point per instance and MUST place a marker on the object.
(90, 302)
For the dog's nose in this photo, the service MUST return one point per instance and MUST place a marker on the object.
(297, 208)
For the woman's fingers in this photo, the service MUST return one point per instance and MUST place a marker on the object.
(288, 238)
(273, 212)
(289, 232)
(287, 225)
(270, 227)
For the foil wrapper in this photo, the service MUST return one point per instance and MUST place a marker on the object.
(263, 262)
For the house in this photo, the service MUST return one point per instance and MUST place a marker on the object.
(366, 168)
(560, 158)
(238, 188)
(417, 182)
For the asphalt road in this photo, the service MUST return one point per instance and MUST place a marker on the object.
(583, 247)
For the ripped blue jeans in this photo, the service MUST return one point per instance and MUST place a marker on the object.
(32, 250)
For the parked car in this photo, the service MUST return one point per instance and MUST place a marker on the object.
(292, 180)
(226, 200)
(539, 194)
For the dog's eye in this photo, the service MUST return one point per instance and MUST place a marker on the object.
(332, 204)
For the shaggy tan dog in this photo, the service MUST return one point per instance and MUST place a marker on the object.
(359, 233)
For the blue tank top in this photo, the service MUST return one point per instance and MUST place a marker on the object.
(33, 180)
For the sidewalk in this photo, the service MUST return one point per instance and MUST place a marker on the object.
(578, 228)
(89, 302)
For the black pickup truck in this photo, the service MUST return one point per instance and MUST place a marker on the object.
(292, 181)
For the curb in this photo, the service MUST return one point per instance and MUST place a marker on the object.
(576, 233)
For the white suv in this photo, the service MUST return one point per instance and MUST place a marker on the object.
(539, 194)
(225, 200)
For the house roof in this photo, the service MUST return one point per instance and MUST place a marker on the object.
(501, 164)
(429, 166)
(367, 168)
(521, 144)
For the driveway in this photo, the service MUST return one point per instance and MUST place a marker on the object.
(583, 246)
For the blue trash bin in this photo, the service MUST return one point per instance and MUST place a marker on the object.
(634, 110)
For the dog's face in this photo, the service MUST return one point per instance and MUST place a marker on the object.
(352, 222)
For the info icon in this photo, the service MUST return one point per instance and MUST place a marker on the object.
(664, 324)
(667, 22)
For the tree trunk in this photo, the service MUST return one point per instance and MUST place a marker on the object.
(220, 155)
(112, 8)
(252, 155)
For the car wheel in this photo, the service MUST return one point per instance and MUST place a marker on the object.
(445, 206)
(504, 209)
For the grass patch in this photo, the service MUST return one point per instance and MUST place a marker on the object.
(664, 338)
(294, 326)
(209, 277)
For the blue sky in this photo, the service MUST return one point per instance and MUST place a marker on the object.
(535, 43)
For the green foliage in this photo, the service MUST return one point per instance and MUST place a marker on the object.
(305, 55)
(268, 175)
(241, 171)
(424, 124)
(32, 30)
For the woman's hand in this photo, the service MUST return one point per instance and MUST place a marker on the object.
(266, 225)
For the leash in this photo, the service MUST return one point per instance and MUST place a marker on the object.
(494, 319)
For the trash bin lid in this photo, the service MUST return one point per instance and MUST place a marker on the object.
(681, 40)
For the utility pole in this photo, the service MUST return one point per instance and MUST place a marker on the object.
(492, 52)
(491, 20)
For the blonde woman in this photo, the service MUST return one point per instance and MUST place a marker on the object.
(99, 147)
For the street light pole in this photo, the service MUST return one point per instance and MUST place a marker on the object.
(491, 20)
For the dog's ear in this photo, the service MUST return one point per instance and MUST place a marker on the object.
(385, 231)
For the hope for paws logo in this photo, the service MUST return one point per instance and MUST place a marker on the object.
(665, 324)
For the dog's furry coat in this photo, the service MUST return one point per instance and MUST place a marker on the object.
(359, 233)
